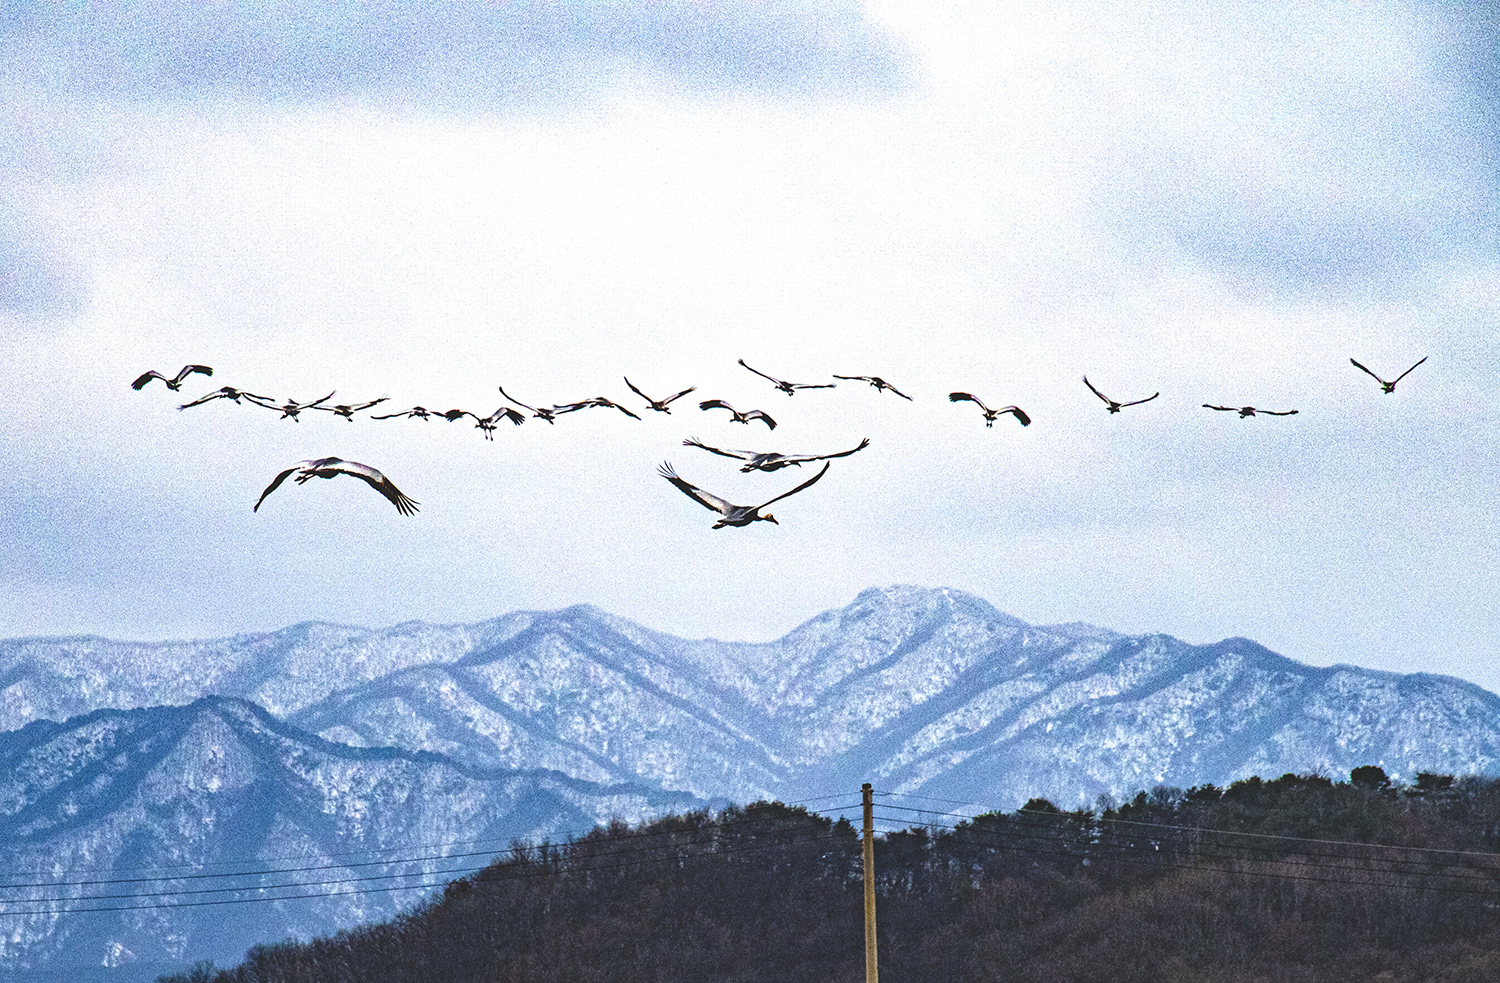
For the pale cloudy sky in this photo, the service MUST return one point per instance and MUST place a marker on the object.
(1221, 202)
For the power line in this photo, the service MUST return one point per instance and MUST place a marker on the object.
(713, 831)
(1106, 852)
(1197, 831)
(564, 868)
(573, 838)
(697, 840)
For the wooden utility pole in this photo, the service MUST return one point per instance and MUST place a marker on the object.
(872, 969)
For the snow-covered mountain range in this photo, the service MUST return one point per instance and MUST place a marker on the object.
(576, 712)
(139, 840)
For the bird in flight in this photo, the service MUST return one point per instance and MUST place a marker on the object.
(771, 461)
(1385, 387)
(659, 405)
(989, 414)
(1114, 407)
(877, 382)
(291, 407)
(1245, 411)
(225, 392)
(173, 384)
(790, 388)
(542, 414)
(487, 423)
(584, 404)
(745, 417)
(328, 467)
(347, 411)
(416, 412)
(732, 515)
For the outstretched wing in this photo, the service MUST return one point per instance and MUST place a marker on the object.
(670, 399)
(762, 416)
(1096, 392)
(140, 383)
(609, 402)
(377, 481)
(898, 392)
(1018, 413)
(794, 491)
(188, 370)
(853, 450)
(506, 413)
(813, 385)
(1403, 375)
(513, 400)
(220, 394)
(1372, 375)
(1227, 409)
(741, 455)
(711, 502)
(276, 483)
(760, 373)
(959, 397)
(715, 404)
(637, 391)
(1137, 402)
(783, 460)
(1277, 412)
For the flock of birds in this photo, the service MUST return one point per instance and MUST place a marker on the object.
(729, 513)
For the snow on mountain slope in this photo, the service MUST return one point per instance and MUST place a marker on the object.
(133, 810)
(918, 690)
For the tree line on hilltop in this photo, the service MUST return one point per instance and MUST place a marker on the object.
(1291, 880)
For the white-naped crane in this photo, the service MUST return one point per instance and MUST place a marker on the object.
(487, 423)
(416, 412)
(1385, 387)
(291, 407)
(732, 515)
(593, 401)
(991, 415)
(329, 467)
(174, 383)
(790, 388)
(1113, 406)
(1245, 411)
(758, 461)
(745, 417)
(877, 382)
(347, 410)
(224, 392)
(547, 414)
(659, 405)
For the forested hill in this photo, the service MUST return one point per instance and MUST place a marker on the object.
(1295, 879)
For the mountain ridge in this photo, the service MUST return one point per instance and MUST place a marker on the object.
(914, 686)
(152, 817)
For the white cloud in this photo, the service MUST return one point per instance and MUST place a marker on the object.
(473, 54)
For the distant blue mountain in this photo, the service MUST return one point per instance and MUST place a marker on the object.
(144, 808)
(930, 692)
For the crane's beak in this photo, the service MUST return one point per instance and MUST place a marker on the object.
(772, 518)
